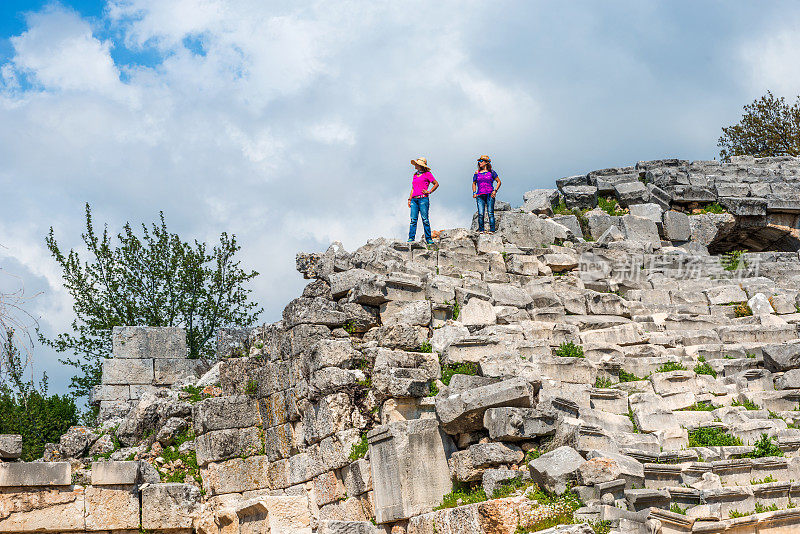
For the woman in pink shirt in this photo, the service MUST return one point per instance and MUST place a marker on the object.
(418, 199)
(484, 191)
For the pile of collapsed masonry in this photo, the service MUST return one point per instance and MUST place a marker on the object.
(607, 355)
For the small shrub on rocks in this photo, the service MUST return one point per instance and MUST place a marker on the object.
(742, 310)
(712, 437)
(359, 450)
(464, 368)
(748, 404)
(462, 494)
(569, 350)
(765, 446)
(671, 366)
(705, 369)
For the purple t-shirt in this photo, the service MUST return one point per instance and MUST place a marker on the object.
(420, 183)
(485, 181)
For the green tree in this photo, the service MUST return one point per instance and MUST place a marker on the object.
(28, 410)
(769, 127)
(153, 280)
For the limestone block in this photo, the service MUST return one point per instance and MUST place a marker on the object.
(220, 413)
(540, 201)
(346, 527)
(515, 424)
(629, 193)
(781, 357)
(35, 474)
(760, 304)
(492, 479)
(149, 342)
(527, 230)
(526, 265)
(288, 515)
(357, 477)
(279, 441)
(128, 371)
(115, 473)
(401, 489)
(676, 226)
(580, 196)
(624, 334)
(105, 392)
(557, 469)
(223, 444)
(167, 372)
(316, 310)
(236, 475)
(469, 465)
(169, 506)
(725, 294)
(412, 313)
(648, 211)
(43, 510)
(599, 222)
(398, 336)
(508, 295)
(464, 412)
(640, 229)
(571, 223)
(343, 282)
(112, 507)
(477, 312)
(10, 446)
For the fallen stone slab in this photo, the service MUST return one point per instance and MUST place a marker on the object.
(343, 282)
(400, 488)
(517, 424)
(346, 527)
(35, 474)
(556, 470)
(10, 446)
(781, 357)
(464, 412)
(468, 465)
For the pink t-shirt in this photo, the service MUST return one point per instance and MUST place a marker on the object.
(420, 183)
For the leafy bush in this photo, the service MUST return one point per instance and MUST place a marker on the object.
(251, 388)
(425, 346)
(510, 486)
(464, 368)
(195, 394)
(625, 376)
(713, 208)
(602, 382)
(705, 369)
(456, 310)
(748, 404)
(359, 450)
(677, 509)
(569, 350)
(742, 310)
(712, 437)
(39, 418)
(765, 446)
(462, 494)
(700, 407)
(179, 465)
(671, 366)
(610, 206)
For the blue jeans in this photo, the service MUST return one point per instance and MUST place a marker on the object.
(483, 202)
(419, 206)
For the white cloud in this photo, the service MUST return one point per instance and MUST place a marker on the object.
(772, 59)
(60, 52)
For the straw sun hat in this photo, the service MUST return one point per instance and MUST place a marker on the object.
(422, 162)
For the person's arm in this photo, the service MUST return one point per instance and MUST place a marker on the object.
(409, 197)
(474, 187)
(499, 183)
(435, 186)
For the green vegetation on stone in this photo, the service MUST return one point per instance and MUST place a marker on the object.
(747, 404)
(462, 494)
(671, 366)
(712, 437)
(568, 349)
(359, 450)
(705, 369)
(463, 368)
(764, 447)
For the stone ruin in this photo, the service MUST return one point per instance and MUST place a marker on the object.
(628, 341)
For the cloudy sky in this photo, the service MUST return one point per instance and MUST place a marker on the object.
(291, 124)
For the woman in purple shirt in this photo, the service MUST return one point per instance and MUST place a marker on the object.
(483, 190)
(418, 199)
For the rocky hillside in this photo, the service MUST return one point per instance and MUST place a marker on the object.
(621, 356)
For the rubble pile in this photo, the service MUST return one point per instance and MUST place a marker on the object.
(621, 356)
